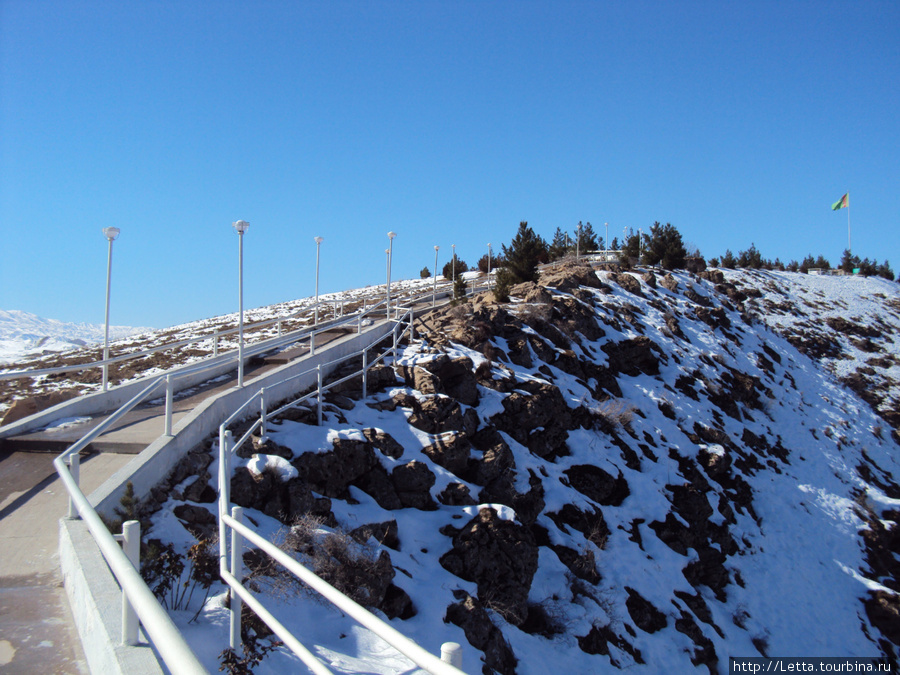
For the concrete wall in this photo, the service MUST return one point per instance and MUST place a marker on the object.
(96, 602)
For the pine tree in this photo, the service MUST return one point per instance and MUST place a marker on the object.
(558, 247)
(461, 267)
(728, 261)
(524, 253)
(587, 240)
(664, 246)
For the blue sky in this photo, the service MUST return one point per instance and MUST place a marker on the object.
(447, 122)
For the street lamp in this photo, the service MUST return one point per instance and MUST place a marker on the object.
(318, 241)
(577, 240)
(606, 245)
(110, 233)
(489, 264)
(391, 236)
(240, 227)
(434, 287)
(453, 262)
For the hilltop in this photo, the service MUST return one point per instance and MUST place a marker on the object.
(616, 469)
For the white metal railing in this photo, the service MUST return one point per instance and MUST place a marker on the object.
(139, 605)
(138, 601)
(230, 519)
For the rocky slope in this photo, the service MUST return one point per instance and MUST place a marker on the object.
(616, 469)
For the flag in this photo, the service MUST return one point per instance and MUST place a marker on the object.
(841, 203)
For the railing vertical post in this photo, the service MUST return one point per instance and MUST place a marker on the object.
(262, 415)
(319, 393)
(131, 545)
(451, 653)
(394, 350)
(216, 344)
(312, 344)
(75, 470)
(170, 395)
(237, 553)
(279, 329)
(225, 441)
(365, 373)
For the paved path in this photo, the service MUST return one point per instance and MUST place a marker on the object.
(37, 634)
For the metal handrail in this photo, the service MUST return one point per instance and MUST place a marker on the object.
(227, 448)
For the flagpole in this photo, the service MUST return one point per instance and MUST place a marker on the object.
(849, 247)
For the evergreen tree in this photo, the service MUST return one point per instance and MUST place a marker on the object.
(558, 248)
(848, 261)
(664, 246)
(614, 246)
(750, 259)
(793, 266)
(459, 288)
(728, 261)
(587, 240)
(524, 253)
(822, 263)
(631, 248)
(808, 262)
(713, 262)
(885, 271)
(461, 267)
(424, 273)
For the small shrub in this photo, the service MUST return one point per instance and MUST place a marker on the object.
(424, 273)
(173, 577)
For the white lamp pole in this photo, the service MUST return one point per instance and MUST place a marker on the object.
(577, 241)
(318, 241)
(434, 287)
(453, 262)
(391, 236)
(606, 245)
(240, 227)
(110, 233)
(489, 264)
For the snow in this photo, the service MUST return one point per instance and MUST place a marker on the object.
(800, 570)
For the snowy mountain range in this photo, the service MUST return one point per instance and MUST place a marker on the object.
(25, 335)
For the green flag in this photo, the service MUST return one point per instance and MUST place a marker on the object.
(841, 203)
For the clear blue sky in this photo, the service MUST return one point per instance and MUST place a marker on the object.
(447, 122)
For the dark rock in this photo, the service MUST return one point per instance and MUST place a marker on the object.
(456, 494)
(883, 610)
(385, 533)
(498, 555)
(384, 443)
(595, 483)
(330, 473)
(413, 484)
(196, 519)
(528, 506)
(599, 638)
(378, 485)
(397, 604)
(483, 635)
(568, 277)
(451, 451)
(200, 490)
(437, 414)
(645, 616)
(633, 356)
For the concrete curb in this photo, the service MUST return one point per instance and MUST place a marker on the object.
(96, 602)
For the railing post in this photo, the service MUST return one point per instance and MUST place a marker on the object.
(237, 560)
(216, 344)
(131, 545)
(75, 470)
(394, 350)
(170, 395)
(451, 653)
(365, 373)
(262, 415)
(319, 393)
(279, 329)
(312, 344)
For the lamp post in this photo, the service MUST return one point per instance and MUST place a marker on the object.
(577, 240)
(434, 286)
(453, 262)
(390, 257)
(110, 233)
(606, 245)
(240, 226)
(489, 265)
(318, 241)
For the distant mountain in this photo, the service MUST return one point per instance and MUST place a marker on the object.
(23, 334)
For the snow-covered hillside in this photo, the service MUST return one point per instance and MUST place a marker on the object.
(613, 471)
(24, 335)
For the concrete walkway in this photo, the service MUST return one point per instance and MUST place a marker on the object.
(37, 634)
